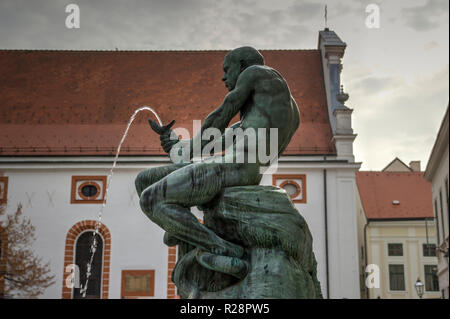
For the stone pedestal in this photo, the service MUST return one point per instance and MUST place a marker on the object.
(278, 261)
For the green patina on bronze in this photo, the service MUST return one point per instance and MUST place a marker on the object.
(254, 243)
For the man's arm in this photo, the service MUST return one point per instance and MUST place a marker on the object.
(233, 102)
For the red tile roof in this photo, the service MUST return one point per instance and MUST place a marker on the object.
(378, 190)
(78, 102)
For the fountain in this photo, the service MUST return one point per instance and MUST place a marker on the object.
(98, 224)
(253, 243)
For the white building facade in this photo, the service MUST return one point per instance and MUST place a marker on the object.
(62, 195)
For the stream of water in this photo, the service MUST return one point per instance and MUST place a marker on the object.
(98, 224)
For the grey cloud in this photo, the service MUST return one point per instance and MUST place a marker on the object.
(431, 45)
(104, 24)
(140, 24)
(425, 17)
(374, 85)
(403, 123)
(306, 11)
(158, 24)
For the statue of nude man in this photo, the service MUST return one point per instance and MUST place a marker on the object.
(262, 97)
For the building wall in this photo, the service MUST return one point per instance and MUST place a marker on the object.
(438, 185)
(362, 251)
(412, 234)
(343, 240)
(137, 243)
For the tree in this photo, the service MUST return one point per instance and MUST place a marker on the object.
(24, 273)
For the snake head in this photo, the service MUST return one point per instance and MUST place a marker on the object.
(161, 130)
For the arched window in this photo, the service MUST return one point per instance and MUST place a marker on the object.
(77, 251)
(82, 257)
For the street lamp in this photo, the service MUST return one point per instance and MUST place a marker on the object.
(419, 288)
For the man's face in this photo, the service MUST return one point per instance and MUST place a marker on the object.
(231, 71)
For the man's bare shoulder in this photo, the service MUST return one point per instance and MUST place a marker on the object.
(257, 69)
(257, 72)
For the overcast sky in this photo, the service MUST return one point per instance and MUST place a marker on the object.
(396, 75)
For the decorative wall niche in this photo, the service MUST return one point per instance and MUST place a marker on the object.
(294, 185)
(88, 189)
(138, 283)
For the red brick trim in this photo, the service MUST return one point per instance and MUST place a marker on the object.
(172, 259)
(3, 259)
(4, 197)
(290, 179)
(69, 255)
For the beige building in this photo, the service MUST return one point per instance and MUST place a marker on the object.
(396, 233)
(397, 165)
(437, 173)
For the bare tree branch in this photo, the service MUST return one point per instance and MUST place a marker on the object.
(25, 275)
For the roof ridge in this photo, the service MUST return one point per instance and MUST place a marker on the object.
(401, 162)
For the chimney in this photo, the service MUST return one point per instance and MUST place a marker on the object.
(415, 166)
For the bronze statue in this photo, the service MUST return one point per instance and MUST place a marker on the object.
(218, 248)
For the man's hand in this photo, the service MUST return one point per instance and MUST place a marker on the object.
(164, 133)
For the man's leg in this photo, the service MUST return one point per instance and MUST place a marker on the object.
(150, 176)
(168, 202)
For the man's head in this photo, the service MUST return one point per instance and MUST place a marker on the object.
(237, 61)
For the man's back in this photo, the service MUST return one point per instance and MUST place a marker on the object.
(270, 105)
